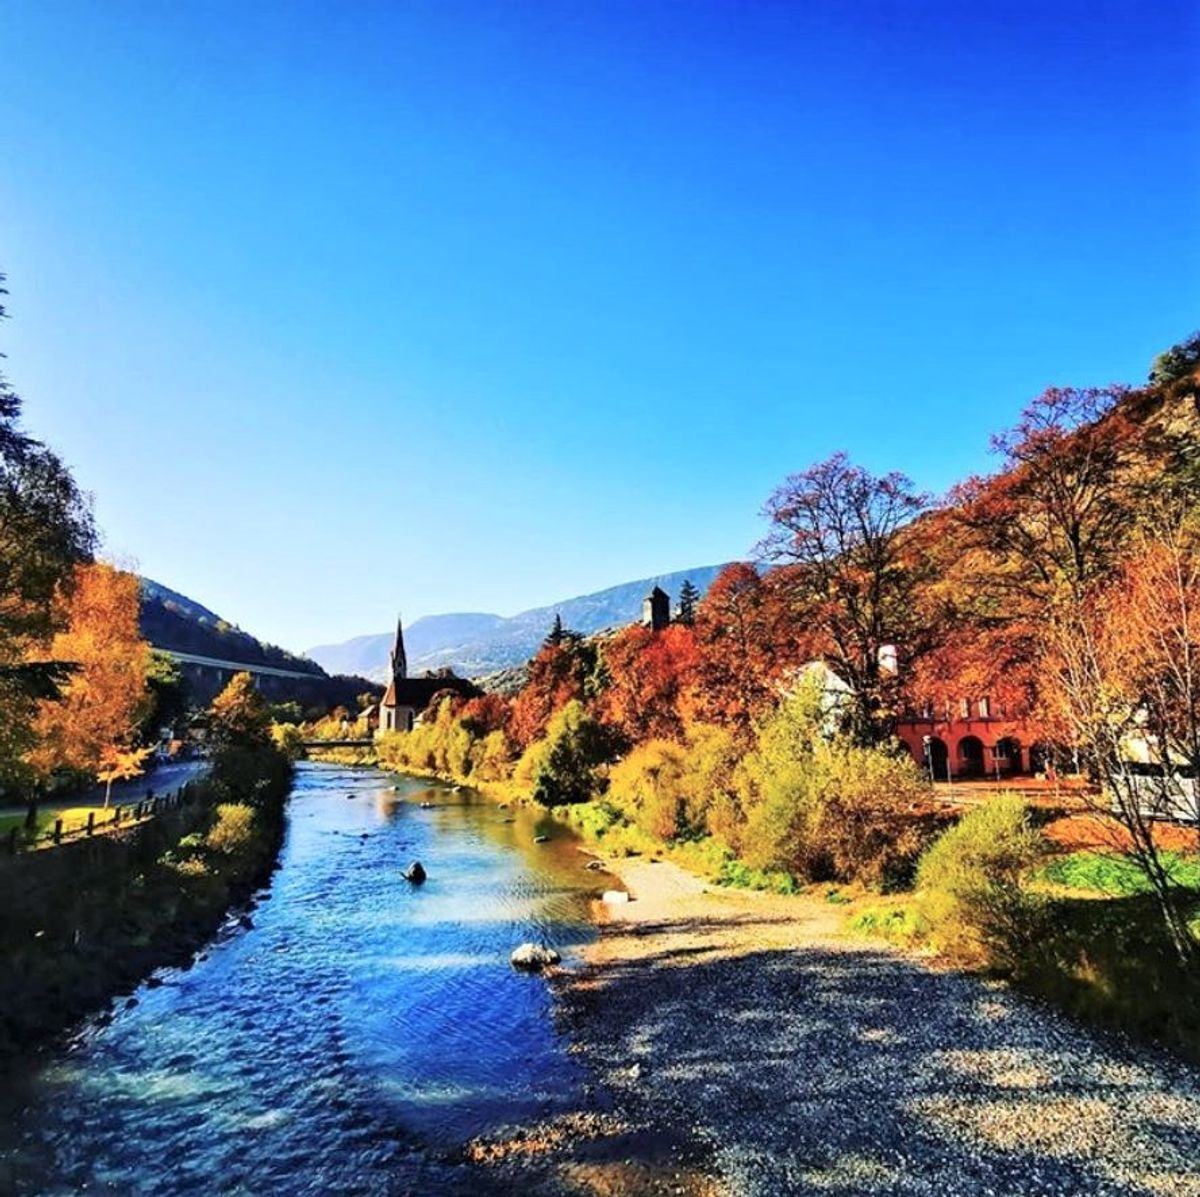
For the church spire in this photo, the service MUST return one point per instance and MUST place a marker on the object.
(399, 658)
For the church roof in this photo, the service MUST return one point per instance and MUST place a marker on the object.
(417, 691)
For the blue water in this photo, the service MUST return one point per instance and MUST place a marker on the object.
(352, 1040)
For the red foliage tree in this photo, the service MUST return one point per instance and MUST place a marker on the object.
(486, 714)
(651, 677)
(743, 644)
(559, 673)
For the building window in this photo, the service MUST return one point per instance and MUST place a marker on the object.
(985, 708)
(964, 708)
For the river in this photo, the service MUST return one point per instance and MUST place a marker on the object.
(351, 1039)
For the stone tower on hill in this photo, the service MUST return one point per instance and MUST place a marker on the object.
(656, 609)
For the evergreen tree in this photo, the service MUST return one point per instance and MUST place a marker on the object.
(689, 596)
(557, 633)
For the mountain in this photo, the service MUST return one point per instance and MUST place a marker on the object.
(474, 644)
(170, 620)
(173, 621)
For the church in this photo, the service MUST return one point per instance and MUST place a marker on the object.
(407, 697)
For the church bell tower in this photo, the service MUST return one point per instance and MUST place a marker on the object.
(399, 658)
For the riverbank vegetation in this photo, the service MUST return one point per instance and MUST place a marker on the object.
(82, 700)
(754, 737)
(81, 693)
(92, 918)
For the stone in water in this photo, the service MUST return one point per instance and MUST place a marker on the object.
(533, 956)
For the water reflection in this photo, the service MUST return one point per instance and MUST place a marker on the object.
(362, 1025)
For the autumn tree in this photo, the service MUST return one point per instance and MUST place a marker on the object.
(247, 764)
(851, 577)
(99, 707)
(559, 673)
(650, 682)
(742, 645)
(239, 716)
(46, 530)
(485, 714)
(1042, 531)
(120, 764)
(1123, 667)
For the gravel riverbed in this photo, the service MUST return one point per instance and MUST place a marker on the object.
(742, 1044)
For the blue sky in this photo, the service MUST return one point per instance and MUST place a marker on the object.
(339, 308)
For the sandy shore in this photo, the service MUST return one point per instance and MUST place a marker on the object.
(742, 1044)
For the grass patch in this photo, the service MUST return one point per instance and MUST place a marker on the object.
(742, 876)
(1115, 874)
(1110, 962)
(896, 921)
(74, 819)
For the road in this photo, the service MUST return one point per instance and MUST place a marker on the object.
(164, 779)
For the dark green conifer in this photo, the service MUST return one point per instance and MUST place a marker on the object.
(689, 596)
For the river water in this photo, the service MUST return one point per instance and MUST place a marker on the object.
(349, 1041)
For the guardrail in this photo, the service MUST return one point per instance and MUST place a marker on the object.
(115, 819)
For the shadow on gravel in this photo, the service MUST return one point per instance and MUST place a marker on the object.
(847, 1071)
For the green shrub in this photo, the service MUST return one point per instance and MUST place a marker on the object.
(593, 819)
(818, 806)
(741, 876)
(894, 921)
(969, 887)
(565, 770)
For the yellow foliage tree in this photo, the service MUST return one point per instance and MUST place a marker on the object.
(120, 765)
(98, 709)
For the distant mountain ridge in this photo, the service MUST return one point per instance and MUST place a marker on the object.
(475, 644)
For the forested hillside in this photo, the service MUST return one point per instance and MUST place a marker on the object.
(173, 621)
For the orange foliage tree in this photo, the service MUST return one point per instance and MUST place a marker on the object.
(743, 644)
(1123, 675)
(100, 704)
(650, 691)
(1050, 524)
(563, 670)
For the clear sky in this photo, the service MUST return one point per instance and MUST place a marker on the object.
(340, 308)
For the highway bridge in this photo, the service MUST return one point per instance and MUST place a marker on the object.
(232, 667)
(208, 676)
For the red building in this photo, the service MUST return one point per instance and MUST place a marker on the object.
(973, 740)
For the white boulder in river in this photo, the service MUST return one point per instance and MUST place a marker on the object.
(533, 956)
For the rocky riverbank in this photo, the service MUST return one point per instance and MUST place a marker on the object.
(742, 1043)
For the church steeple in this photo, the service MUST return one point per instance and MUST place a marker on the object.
(399, 658)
